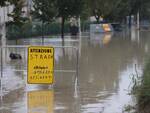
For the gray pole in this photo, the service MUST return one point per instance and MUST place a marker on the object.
(138, 20)
(80, 35)
(1, 62)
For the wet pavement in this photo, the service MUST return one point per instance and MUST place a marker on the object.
(102, 84)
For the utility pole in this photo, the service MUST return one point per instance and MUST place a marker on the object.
(80, 35)
(138, 14)
(138, 20)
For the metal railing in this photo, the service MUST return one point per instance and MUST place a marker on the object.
(55, 47)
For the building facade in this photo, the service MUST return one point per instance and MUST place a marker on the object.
(4, 11)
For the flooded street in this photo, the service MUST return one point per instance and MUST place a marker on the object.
(107, 63)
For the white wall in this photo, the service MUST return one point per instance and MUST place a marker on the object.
(3, 13)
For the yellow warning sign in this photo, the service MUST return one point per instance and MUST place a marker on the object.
(40, 101)
(40, 65)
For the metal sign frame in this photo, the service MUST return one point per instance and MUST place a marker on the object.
(55, 71)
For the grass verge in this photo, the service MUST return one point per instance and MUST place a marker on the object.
(142, 90)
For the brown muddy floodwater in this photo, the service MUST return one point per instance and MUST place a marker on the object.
(107, 63)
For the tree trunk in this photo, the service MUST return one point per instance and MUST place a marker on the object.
(97, 18)
(42, 33)
(138, 20)
(62, 27)
(130, 21)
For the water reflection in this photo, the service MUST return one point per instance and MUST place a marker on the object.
(40, 101)
(101, 78)
(100, 38)
(106, 65)
(67, 95)
(13, 101)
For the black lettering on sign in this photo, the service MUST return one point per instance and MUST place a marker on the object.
(40, 56)
(45, 56)
(41, 50)
(40, 67)
(36, 56)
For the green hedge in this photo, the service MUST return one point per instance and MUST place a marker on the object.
(85, 26)
(34, 30)
(142, 90)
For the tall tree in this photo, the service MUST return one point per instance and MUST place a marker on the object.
(48, 10)
(67, 9)
(17, 14)
(2, 2)
(141, 6)
(123, 8)
(44, 10)
(120, 10)
(101, 8)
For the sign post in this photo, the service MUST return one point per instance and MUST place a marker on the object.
(40, 65)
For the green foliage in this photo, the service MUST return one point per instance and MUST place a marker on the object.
(117, 10)
(146, 81)
(144, 9)
(130, 7)
(101, 8)
(47, 10)
(34, 29)
(142, 90)
(2, 2)
(69, 8)
(120, 10)
(129, 109)
(17, 13)
(13, 32)
(44, 10)
(85, 26)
